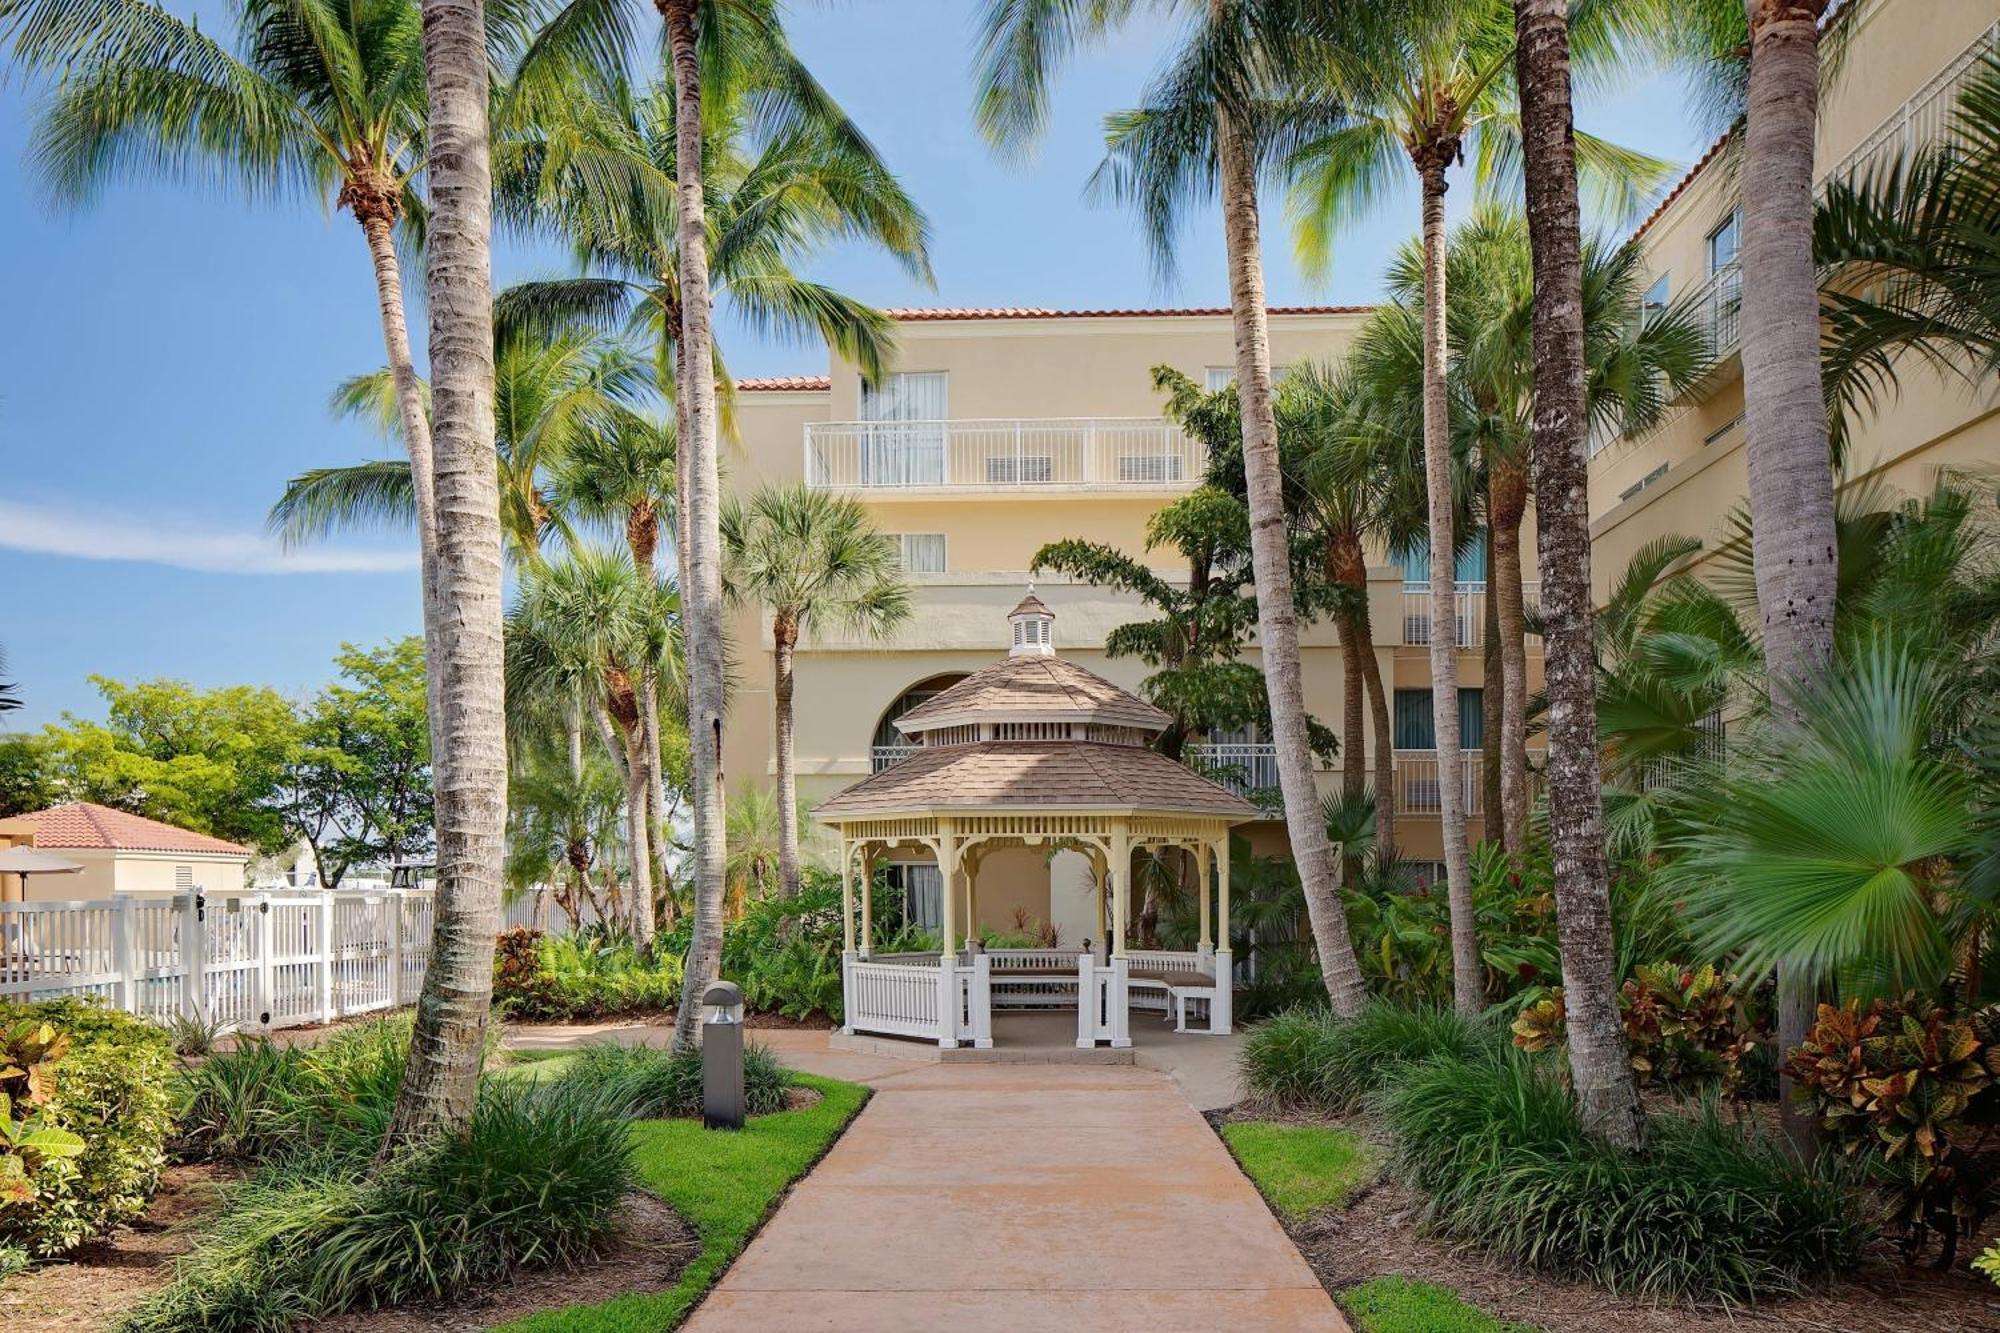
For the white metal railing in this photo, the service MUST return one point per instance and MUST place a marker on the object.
(1002, 454)
(249, 961)
(1419, 792)
(1925, 118)
(1468, 611)
(884, 756)
(1245, 769)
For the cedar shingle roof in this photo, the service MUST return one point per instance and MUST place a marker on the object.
(1039, 685)
(82, 824)
(1001, 775)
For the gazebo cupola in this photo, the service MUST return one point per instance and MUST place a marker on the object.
(1034, 627)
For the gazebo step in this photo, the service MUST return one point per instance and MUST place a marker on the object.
(929, 1052)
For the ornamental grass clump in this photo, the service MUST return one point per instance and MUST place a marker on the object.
(649, 1083)
(534, 1180)
(1311, 1058)
(1707, 1211)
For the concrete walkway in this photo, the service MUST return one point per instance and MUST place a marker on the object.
(1021, 1197)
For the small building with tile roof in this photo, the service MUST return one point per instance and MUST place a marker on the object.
(120, 852)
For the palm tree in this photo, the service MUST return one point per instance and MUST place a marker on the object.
(814, 560)
(562, 813)
(1599, 1063)
(1633, 367)
(468, 748)
(1762, 60)
(621, 474)
(1204, 140)
(589, 626)
(715, 49)
(1441, 89)
(553, 390)
(10, 693)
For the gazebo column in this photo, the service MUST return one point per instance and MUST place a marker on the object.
(1121, 879)
(1204, 885)
(867, 901)
(947, 854)
(846, 897)
(1220, 1016)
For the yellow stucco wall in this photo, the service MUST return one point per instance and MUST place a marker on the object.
(1893, 56)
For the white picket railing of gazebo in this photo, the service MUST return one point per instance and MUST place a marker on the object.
(241, 962)
(950, 999)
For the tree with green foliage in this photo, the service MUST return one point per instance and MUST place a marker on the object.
(358, 789)
(816, 562)
(214, 761)
(25, 785)
(1201, 137)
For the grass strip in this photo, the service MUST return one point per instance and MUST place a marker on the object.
(1301, 1169)
(1405, 1305)
(725, 1185)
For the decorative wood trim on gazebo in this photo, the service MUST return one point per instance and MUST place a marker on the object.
(1077, 777)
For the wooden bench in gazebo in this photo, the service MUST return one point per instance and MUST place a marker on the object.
(1035, 752)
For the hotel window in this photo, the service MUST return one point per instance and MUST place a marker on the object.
(921, 552)
(921, 888)
(1416, 728)
(1723, 242)
(1415, 560)
(1219, 378)
(906, 433)
(1655, 299)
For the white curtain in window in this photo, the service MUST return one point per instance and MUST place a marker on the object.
(906, 441)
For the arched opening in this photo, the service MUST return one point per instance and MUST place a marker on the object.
(891, 746)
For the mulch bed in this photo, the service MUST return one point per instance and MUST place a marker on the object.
(101, 1280)
(1379, 1234)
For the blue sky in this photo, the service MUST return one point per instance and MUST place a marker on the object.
(170, 351)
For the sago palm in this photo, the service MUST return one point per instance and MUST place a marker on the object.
(814, 560)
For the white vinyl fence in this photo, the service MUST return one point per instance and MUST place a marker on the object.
(252, 961)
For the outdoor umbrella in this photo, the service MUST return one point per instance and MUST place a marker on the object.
(26, 861)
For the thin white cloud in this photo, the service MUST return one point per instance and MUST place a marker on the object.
(164, 539)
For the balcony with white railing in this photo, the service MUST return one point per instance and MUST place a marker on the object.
(887, 756)
(1468, 612)
(1419, 791)
(1021, 454)
(1245, 769)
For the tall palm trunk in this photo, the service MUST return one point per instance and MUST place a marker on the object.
(1468, 976)
(1507, 505)
(701, 538)
(784, 638)
(1493, 684)
(642, 535)
(1347, 568)
(1784, 415)
(1599, 1067)
(1380, 726)
(468, 751)
(1270, 557)
(637, 835)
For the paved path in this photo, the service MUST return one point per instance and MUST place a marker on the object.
(1022, 1198)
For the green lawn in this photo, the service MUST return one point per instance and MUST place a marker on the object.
(725, 1185)
(1301, 1168)
(1403, 1305)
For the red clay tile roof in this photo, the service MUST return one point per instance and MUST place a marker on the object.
(1018, 774)
(785, 384)
(1039, 685)
(81, 824)
(1680, 187)
(914, 316)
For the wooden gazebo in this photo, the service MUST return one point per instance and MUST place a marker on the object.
(1034, 751)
